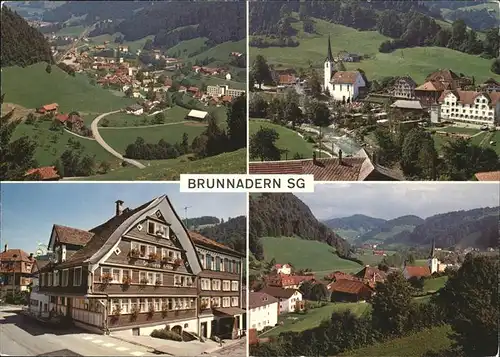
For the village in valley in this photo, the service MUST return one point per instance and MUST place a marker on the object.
(104, 107)
(358, 100)
(335, 286)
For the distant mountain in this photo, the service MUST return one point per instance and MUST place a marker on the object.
(285, 215)
(356, 222)
(477, 228)
(231, 233)
(390, 228)
(22, 45)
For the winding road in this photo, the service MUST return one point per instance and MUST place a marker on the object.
(95, 132)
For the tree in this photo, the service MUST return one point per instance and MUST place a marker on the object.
(260, 71)
(495, 66)
(257, 106)
(492, 43)
(319, 292)
(129, 92)
(148, 46)
(262, 145)
(104, 167)
(418, 150)
(48, 69)
(471, 299)
(237, 123)
(341, 66)
(314, 83)
(318, 114)
(391, 304)
(159, 118)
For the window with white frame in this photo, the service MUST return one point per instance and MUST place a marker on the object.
(126, 274)
(125, 306)
(133, 305)
(205, 284)
(151, 249)
(215, 284)
(115, 275)
(164, 253)
(192, 302)
(177, 280)
(65, 277)
(215, 302)
(226, 285)
(158, 279)
(77, 277)
(234, 301)
(205, 302)
(143, 305)
(157, 304)
(177, 304)
(164, 304)
(143, 276)
(56, 277)
(143, 248)
(151, 278)
(104, 273)
(226, 302)
(234, 285)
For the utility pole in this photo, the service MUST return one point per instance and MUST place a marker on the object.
(186, 216)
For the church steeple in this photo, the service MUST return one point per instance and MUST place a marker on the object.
(433, 248)
(329, 57)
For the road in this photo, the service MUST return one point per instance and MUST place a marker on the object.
(95, 132)
(237, 350)
(73, 45)
(23, 336)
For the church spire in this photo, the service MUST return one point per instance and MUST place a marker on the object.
(431, 255)
(329, 55)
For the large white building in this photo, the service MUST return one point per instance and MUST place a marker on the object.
(217, 91)
(289, 299)
(264, 310)
(470, 106)
(341, 85)
(283, 269)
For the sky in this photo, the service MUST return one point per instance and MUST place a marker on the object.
(388, 201)
(30, 209)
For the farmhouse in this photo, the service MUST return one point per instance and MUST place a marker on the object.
(349, 290)
(290, 300)
(15, 267)
(407, 105)
(341, 85)
(356, 168)
(470, 106)
(264, 310)
(404, 87)
(142, 270)
(429, 92)
(196, 115)
(488, 176)
(135, 109)
(288, 281)
(282, 269)
(449, 79)
(371, 276)
(490, 85)
(48, 108)
(46, 173)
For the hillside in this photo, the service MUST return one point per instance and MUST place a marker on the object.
(390, 228)
(170, 170)
(478, 16)
(476, 228)
(22, 45)
(354, 225)
(285, 215)
(231, 233)
(32, 87)
(194, 223)
(296, 36)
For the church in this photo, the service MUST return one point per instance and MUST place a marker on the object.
(341, 85)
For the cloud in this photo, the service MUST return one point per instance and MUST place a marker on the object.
(391, 200)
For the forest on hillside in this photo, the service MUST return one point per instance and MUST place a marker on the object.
(355, 222)
(200, 221)
(283, 214)
(231, 233)
(22, 45)
(408, 24)
(477, 228)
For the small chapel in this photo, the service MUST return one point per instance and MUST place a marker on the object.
(341, 85)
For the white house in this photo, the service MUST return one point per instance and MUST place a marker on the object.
(217, 91)
(228, 77)
(135, 109)
(39, 302)
(283, 269)
(341, 85)
(470, 106)
(289, 299)
(196, 115)
(264, 310)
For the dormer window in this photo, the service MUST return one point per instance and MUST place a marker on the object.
(158, 229)
(151, 228)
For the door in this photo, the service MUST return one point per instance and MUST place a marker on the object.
(204, 326)
(214, 329)
(135, 331)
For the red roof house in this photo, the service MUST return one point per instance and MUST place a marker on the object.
(349, 290)
(47, 173)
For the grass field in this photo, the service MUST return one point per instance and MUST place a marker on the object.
(133, 46)
(167, 170)
(382, 236)
(119, 139)
(368, 258)
(74, 31)
(314, 317)
(417, 62)
(48, 149)
(347, 234)
(302, 254)
(433, 339)
(173, 115)
(483, 139)
(435, 284)
(187, 48)
(33, 87)
(288, 139)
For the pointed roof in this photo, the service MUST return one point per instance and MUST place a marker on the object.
(329, 54)
(433, 248)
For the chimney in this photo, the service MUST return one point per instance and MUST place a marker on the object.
(314, 157)
(119, 207)
(5, 248)
(340, 157)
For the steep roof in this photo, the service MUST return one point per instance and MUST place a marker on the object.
(278, 292)
(488, 176)
(443, 75)
(73, 236)
(46, 172)
(52, 106)
(345, 77)
(348, 286)
(329, 55)
(468, 97)
(432, 86)
(369, 273)
(15, 255)
(258, 299)
(198, 239)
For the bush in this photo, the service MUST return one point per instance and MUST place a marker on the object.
(166, 335)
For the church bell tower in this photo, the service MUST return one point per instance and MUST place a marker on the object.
(328, 70)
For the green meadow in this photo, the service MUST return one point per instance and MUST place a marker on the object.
(172, 115)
